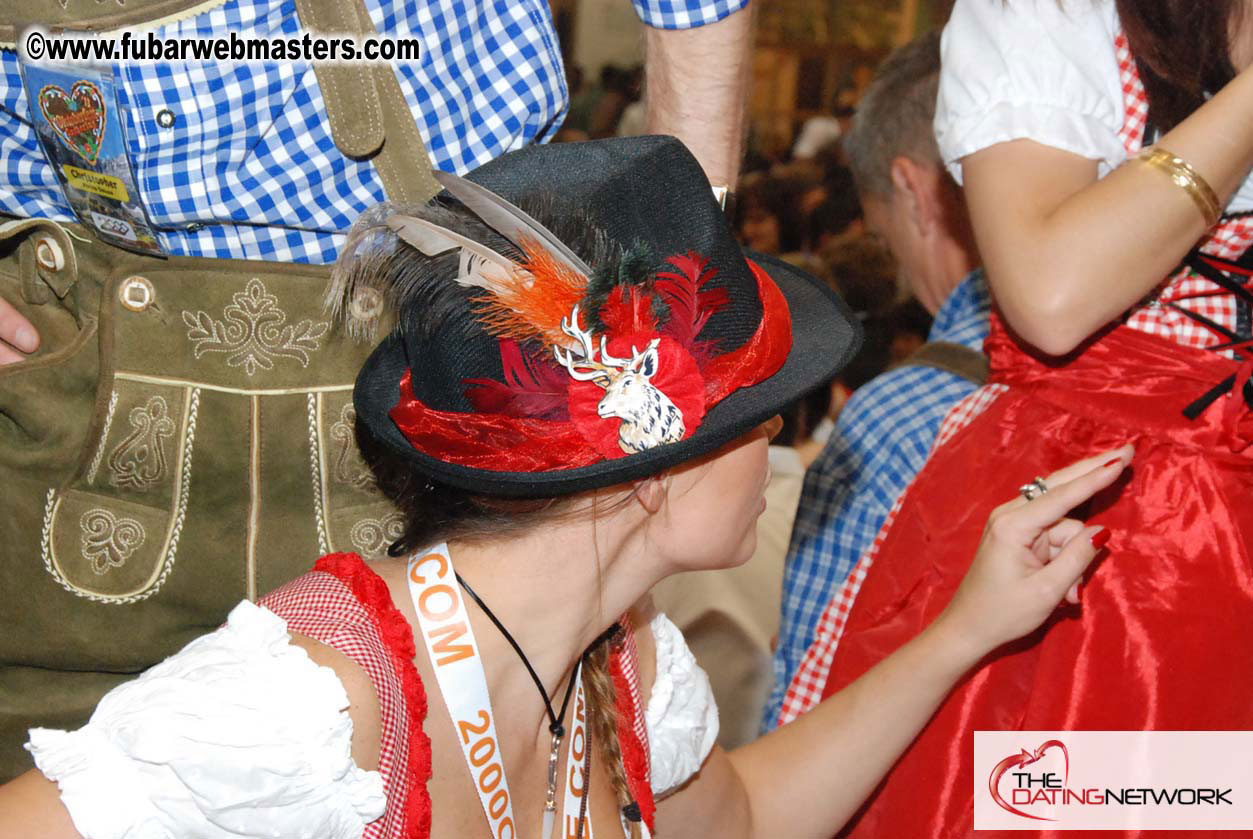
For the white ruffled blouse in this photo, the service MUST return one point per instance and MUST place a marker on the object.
(1041, 70)
(241, 734)
(682, 717)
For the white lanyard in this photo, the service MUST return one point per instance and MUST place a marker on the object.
(454, 655)
(576, 784)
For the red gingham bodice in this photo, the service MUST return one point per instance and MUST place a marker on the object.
(1227, 240)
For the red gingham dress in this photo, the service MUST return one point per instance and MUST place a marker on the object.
(1146, 650)
(1228, 240)
(345, 605)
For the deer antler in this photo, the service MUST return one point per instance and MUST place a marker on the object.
(609, 359)
(625, 364)
(571, 327)
(591, 369)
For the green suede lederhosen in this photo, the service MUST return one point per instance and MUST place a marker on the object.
(183, 438)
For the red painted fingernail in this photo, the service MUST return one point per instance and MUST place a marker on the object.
(1100, 538)
(1111, 462)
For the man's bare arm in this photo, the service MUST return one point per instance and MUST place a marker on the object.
(697, 89)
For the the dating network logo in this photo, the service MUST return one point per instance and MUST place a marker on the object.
(1036, 784)
(1022, 780)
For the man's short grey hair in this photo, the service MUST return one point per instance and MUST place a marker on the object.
(894, 117)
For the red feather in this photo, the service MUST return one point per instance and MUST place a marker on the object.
(628, 311)
(691, 304)
(532, 389)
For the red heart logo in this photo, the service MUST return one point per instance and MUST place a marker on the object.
(1024, 758)
(77, 117)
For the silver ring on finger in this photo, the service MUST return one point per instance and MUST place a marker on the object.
(1035, 489)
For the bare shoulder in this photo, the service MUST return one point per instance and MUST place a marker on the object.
(363, 704)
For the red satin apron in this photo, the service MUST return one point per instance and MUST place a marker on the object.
(1162, 638)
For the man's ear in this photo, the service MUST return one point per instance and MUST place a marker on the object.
(916, 189)
(651, 492)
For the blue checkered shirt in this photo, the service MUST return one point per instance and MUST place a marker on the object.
(880, 443)
(248, 170)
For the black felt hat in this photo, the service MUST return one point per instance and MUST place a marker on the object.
(615, 331)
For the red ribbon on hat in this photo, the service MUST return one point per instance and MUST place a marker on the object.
(500, 443)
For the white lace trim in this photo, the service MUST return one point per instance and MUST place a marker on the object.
(682, 717)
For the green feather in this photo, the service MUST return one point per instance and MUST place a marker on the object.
(635, 266)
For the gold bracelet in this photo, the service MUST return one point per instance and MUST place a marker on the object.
(1186, 178)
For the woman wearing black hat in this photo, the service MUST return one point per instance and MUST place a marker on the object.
(567, 417)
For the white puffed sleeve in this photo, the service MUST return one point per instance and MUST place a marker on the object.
(682, 717)
(1031, 69)
(239, 734)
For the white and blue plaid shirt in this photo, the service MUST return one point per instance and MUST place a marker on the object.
(881, 441)
(248, 169)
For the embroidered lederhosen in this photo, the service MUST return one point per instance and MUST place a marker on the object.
(184, 436)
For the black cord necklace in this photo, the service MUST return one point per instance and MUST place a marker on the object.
(555, 727)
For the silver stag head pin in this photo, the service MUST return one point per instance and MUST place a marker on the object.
(649, 418)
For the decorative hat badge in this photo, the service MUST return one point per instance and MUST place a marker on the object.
(648, 416)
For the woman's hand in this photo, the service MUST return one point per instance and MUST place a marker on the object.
(1031, 557)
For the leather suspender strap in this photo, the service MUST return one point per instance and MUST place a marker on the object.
(348, 90)
(403, 163)
(957, 359)
(367, 110)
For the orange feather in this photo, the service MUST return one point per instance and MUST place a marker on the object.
(530, 304)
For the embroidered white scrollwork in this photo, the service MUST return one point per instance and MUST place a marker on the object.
(372, 536)
(139, 461)
(254, 331)
(108, 541)
(312, 400)
(350, 468)
(96, 549)
(104, 436)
